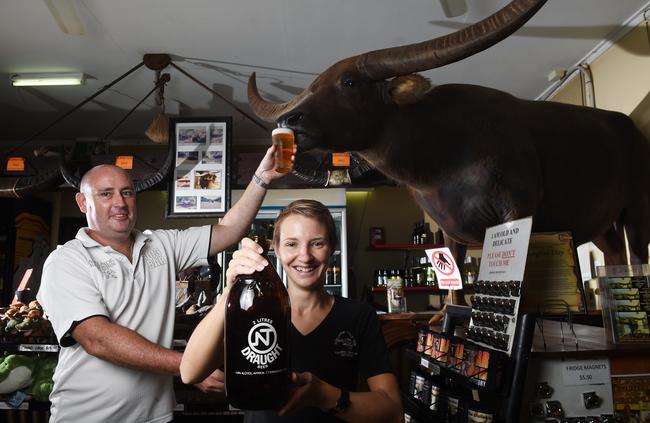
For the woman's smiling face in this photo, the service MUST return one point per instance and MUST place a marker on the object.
(303, 250)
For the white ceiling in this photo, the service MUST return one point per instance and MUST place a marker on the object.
(287, 42)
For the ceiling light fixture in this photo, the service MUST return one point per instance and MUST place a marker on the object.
(41, 79)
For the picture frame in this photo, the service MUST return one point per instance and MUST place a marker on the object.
(200, 185)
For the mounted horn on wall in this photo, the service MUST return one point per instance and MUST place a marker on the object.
(75, 163)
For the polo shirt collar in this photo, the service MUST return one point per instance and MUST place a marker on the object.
(88, 242)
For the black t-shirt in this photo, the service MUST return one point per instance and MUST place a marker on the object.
(347, 344)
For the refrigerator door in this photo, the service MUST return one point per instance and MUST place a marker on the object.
(336, 282)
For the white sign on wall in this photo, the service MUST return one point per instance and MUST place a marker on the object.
(505, 249)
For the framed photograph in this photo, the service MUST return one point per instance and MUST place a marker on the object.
(200, 186)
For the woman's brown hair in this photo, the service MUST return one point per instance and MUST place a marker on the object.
(312, 209)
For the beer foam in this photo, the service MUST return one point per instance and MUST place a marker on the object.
(281, 131)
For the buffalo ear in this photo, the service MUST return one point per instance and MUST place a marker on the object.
(407, 89)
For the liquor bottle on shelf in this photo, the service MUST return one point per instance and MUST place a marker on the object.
(408, 277)
(431, 275)
(439, 237)
(421, 273)
(336, 273)
(258, 317)
(329, 274)
(470, 271)
(376, 280)
(426, 236)
(415, 234)
(384, 277)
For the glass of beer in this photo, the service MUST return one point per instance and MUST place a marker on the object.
(284, 141)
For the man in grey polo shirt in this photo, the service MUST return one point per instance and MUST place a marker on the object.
(110, 295)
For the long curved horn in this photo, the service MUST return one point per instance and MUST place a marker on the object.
(69, 176)
(162, 173)
(386, 63)
(19, 187)
(389, 62)
(139, 185)
(266, 110)
(67, 173)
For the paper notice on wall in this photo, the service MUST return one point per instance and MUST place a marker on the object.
(504, 251)
(445, 267)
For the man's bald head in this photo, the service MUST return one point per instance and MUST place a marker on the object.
(89, 178)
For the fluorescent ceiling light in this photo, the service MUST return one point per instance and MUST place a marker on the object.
(40, 79)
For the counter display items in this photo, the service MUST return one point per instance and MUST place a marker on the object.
(23, 321)
(631, 398)
(478, 372)
(625, 296)
(494, 315)
(28, 356)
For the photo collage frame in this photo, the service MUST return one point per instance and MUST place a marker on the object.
(200, 184)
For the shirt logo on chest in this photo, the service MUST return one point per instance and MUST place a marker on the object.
(105, 268)
(345, 345)
(153, 257)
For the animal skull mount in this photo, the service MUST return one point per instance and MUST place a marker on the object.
(70, 167)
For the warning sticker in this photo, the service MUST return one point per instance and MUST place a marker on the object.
(445, 267)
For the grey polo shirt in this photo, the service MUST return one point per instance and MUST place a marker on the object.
(82, 279)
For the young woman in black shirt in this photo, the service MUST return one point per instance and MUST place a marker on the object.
(334, 340)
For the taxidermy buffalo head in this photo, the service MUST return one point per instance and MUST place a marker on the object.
(475, 157)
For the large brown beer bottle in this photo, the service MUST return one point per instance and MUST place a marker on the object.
(258, 317)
